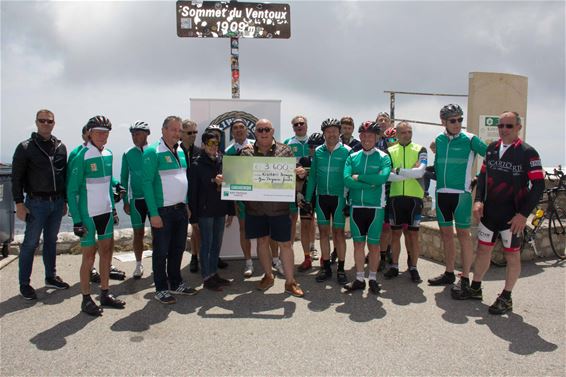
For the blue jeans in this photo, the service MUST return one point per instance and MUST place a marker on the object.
(169, 244)
(211, 233)
(45, 216)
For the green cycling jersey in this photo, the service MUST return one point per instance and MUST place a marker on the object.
(372, 169)
(327, 171)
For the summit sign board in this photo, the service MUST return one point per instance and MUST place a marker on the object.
(212, 19)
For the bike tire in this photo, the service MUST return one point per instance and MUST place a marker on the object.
(557, 232)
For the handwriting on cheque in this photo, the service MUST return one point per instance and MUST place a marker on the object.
(276, 173)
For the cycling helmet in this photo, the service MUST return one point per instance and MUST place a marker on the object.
(140, 125)
(315, 139)
(369, 126)
(383, 114)
(214, 127)
(450, 111)
(390, 133)
(330, 122)
(236, 121)
(99, 122)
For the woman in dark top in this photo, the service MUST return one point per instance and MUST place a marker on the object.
(205, 180)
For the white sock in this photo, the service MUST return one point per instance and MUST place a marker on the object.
(249, 263)
(138, 263)
(372, 275)
(275, 260)
(360, 276)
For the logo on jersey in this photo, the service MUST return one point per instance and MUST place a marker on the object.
(535, 163)
(168, 159)
(93, 167)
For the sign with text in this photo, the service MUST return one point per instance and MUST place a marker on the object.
(488, 131)
(215, 19)
(262, 179)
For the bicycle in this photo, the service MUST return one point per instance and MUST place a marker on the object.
(552, 216)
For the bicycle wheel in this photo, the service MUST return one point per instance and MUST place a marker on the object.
(557, 232)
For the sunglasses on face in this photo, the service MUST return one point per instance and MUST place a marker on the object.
(191, 132)
(48, 121)
(506, 125)
(454, 121)
(212, 143)
(298, 124)
(263, 129)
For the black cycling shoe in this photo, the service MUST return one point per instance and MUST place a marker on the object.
(323, 275)
(94, 276)
(391, 273)
(89, 307)
(222, 264)
(111, 301)
(220, 280)
(341, 277)
(355, 285)
(444, 279)
(374, 287)
(333, 256)
(415, 276)
(501, 306)
(116, 274)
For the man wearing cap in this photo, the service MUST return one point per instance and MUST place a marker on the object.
(38, 169)
(239, 132)
(91, 204)
(132, 178)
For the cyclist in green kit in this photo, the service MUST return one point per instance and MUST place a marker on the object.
(455, 154)
(132, 178)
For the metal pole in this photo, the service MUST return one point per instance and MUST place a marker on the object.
(392, 105)
(235, 66)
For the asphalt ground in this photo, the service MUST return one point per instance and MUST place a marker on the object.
(407, 330)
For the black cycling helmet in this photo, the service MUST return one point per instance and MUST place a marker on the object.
(140, 125)
(99, 122)
(236, 121)
(330, 122)
(450, 111)
(369, 126)
(315, 139)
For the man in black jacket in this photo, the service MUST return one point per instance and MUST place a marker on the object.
(39, 169)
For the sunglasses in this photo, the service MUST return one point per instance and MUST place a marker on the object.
(48, 121)
(391, 140)
(263, 130)
(506, 125)
(454, 121)
(298, 124)
(192, 132)
(212, 143)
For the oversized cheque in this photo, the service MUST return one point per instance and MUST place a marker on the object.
(262, 179)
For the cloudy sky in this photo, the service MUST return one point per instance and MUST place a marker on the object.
(124, 60)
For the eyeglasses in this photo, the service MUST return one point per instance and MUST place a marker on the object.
(298, 124)
(264, 129)
(212, 143)
(391, 140)
(506, 125)
(191, 132)
(48, 121)
(454, 121)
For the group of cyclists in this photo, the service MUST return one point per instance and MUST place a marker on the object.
(374, 183)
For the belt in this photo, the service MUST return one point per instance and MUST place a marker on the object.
(45, 196)
(174, 207)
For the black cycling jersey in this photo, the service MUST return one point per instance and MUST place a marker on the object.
(505, 181)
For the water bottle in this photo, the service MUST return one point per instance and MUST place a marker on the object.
(538, 215)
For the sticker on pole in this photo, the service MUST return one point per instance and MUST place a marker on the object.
(212, 19)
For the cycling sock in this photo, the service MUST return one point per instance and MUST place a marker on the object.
(372, 275)
(360, 276)
(340, 265)
(476, 284)
(506, 294)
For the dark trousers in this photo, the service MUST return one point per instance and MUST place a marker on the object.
(169, 244)
(45, 216)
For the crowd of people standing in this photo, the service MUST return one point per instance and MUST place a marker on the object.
(376, 184)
